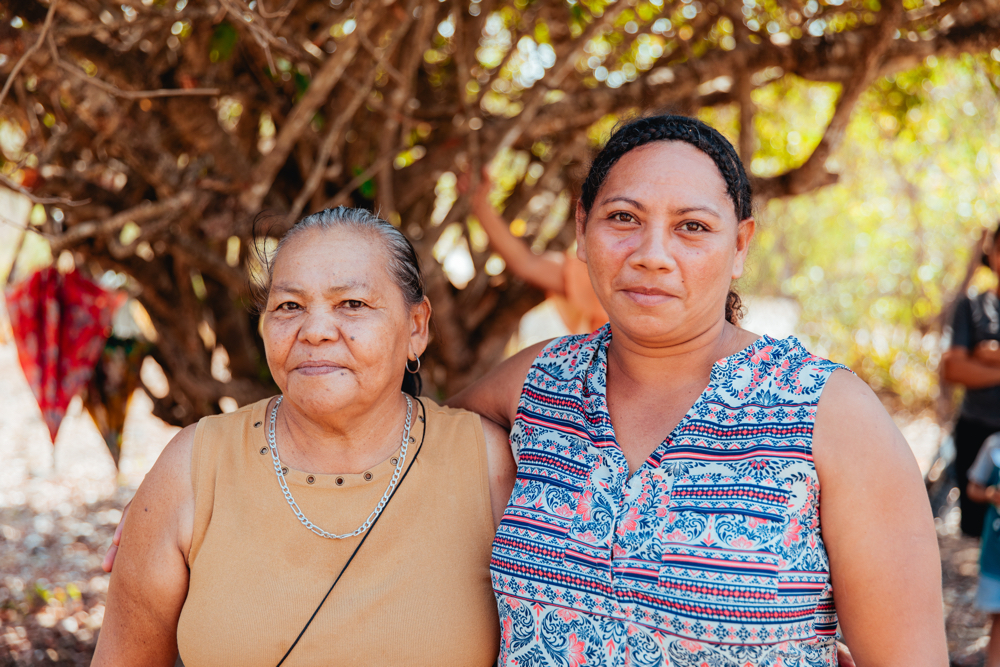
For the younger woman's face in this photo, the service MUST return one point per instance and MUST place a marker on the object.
(662, 243)
(336, 328)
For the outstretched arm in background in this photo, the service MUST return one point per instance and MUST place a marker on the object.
(879, 532)
(543, 271)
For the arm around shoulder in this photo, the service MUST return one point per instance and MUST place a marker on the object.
(501, 467)
(495, 395)
(150, 579)
(878, 530)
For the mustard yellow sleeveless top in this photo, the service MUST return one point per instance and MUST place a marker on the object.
(417, 593)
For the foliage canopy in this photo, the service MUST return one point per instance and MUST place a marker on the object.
(150, 134)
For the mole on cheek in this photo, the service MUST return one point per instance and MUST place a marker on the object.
(352, 337)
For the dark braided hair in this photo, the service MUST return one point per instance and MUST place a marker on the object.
(707, 139)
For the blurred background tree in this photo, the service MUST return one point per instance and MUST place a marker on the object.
(150, 134)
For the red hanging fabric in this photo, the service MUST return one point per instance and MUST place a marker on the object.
(60, 323)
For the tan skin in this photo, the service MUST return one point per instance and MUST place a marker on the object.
(338, 334)
(662, 243)
(980, 367)
(560, 275)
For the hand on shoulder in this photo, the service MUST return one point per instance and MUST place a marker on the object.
(501, 465)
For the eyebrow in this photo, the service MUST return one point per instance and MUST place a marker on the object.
(292, 288)
(697, 209)
(679, 211)
(627, 200)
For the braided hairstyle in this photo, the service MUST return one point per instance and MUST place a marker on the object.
(708, 140)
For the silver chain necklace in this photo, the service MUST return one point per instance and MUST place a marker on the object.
(273, 443)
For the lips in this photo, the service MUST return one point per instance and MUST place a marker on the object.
(318, 367)
(647, 296)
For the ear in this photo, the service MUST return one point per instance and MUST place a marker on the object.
(744, 234)
(420, 318)
(581, 232)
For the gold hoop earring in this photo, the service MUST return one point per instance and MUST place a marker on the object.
(413, 370)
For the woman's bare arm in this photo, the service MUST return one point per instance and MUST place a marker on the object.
(495, 395)
(501, 467)
(543, 271)
(963, 368)
(879, 532)
(987, 352)
(150, 579)
(987, 495)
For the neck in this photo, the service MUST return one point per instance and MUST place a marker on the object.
(672, 364)
(341, 443)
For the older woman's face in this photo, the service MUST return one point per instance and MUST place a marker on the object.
(336, 328)
(662, 242)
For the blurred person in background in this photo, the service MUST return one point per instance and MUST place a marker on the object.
(974, 362)
(984, 476)
(560, 275)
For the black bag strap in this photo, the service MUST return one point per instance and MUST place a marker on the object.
(423, 411)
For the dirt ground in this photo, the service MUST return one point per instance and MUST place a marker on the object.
(58, 510)
(59, 507)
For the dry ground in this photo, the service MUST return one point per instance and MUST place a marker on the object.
(59, 508)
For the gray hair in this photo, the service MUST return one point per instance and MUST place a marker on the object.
(402, 266)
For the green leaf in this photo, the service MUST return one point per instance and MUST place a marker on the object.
(223, 42)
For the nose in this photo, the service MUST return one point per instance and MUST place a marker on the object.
(319, 326)
(654, 251)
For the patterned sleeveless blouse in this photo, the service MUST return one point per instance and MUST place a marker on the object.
(710, 554)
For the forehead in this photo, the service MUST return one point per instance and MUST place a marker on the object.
(666, 168)
(339, 255)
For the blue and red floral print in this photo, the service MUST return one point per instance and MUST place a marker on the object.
(710, 554)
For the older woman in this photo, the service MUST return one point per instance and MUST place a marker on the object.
(689, 493)
(237, 533)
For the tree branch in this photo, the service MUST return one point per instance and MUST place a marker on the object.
(744, 88)
(6, 182)
(554, 79)
(830, 58)
(337, 128)
(129, 94)
(812, 173)
(300, 117)
(345, 192)
(138, 214)
(30, 51)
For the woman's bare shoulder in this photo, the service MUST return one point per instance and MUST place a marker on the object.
(851, 418)
(170, 487)
(150, 577)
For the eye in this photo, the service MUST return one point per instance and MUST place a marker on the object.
(354, 304)
(288, 305)
(622, 216)
(693, 226)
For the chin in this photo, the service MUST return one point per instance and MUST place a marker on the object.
(323, 394)
(652, 324)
